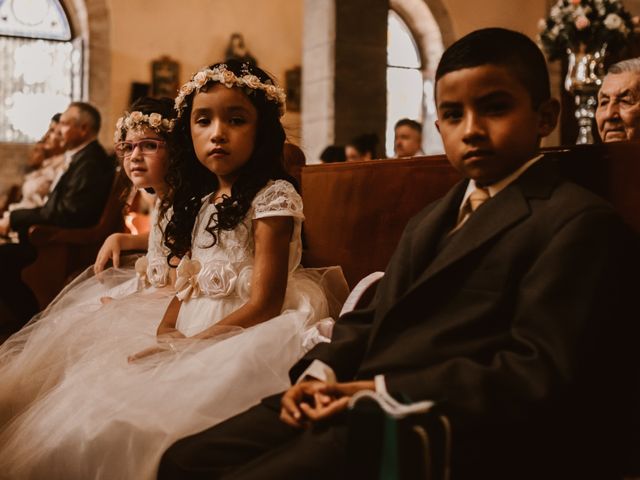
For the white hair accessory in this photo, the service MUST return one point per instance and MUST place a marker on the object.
(136, 119)
(226, 77)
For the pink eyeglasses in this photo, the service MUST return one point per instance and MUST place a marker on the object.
(148, 146)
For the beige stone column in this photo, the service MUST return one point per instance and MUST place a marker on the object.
(344, 63)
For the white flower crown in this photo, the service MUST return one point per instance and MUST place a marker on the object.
(138, 119)
(226, 77)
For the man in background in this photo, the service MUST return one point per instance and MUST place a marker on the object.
(408, 142)
(76, 199)
(618, 112)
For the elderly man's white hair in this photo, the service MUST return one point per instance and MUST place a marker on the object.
(632, 65)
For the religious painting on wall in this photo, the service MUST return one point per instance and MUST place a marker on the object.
(165, 80)
(237, 50)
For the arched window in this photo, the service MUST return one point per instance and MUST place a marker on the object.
(40, 67)
(409, 92)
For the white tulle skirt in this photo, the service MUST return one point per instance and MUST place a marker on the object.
(72, 407)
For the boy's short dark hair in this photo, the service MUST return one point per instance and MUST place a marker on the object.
(506, 48)
(407, 122)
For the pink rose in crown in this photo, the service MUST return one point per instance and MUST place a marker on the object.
(155, 120)
(251, 81)
(228, 78)
(200, 79)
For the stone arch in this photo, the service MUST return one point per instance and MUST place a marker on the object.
(430, 24)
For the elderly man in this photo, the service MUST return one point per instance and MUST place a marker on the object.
(618, 113)
(408, 140)
(76, 199)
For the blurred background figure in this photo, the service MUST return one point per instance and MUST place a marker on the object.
(408, 138)
(333, 154)
(47, 147)
(237, 50)
(618, 112)
(362, 147)
(76, 198)
(44, 163)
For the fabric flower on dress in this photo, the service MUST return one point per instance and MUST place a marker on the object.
(187, 279)
(141, 272)
(158, 271)
(154, 272)
(217, 279)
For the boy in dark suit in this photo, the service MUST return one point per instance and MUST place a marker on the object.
(500, 303)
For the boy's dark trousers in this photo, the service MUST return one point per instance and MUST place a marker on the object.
(513, 326)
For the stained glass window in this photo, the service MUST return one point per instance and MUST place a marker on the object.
(40, 67)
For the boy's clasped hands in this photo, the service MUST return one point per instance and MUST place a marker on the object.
(312, 401)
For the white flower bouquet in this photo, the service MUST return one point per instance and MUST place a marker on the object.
(587, 26)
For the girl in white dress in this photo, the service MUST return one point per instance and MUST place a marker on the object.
(33, 359)
(244, 312)
(142, 145)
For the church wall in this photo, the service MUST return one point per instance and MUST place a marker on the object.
(522, 16)
(196, 33)
(125, 36)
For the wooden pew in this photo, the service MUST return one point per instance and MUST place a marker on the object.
(356, 211)
(65, 252)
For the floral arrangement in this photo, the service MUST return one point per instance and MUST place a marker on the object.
(229, 79)
(587, 26)
(137, 120)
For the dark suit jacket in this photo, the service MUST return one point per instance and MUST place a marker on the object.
(513, 326)
(79, 197)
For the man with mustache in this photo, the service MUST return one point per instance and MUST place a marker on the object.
(618, 112)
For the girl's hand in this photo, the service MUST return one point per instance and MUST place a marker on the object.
(147, 352)
(168, 334)
(110, 250)
(215, 331)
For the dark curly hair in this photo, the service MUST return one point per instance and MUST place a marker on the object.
(189, 181)
(147, 105)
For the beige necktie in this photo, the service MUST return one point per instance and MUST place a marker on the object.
(477, 198)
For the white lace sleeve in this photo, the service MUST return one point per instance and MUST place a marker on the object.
(278, 199)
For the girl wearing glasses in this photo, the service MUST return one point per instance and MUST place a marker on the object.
(141, 144)
(243, 313)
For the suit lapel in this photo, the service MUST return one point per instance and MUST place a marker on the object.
(431, 228)
(499, 214)
(75, 159)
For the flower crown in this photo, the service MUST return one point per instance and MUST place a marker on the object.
(138, 119)
(226, 77)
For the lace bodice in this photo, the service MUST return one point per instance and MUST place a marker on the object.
(225, 269)
(152, 269)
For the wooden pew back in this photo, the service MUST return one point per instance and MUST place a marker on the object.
(355, 212)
